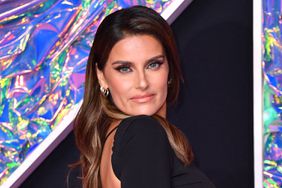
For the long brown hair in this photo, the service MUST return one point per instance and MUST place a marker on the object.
(98, 112)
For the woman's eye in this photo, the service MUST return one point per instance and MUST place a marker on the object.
(123, 69)
(155, 65)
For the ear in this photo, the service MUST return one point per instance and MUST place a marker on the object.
(101, 78)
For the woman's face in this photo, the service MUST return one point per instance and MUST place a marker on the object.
(136, 74)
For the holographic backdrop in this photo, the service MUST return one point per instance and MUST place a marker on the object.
(44, 47)
(272, 83)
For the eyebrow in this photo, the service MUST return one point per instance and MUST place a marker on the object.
(129, 62)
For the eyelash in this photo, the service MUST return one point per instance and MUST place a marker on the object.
(157, 62)
(119, 68)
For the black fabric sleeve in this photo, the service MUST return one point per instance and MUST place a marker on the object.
(143, 159)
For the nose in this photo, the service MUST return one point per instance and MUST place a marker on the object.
(142, 83)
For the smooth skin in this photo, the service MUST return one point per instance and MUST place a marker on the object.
(136, 74)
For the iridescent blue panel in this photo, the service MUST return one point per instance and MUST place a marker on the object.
(272, 72)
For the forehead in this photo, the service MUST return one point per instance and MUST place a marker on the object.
(136, 48)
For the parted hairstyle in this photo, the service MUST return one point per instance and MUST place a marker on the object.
(98, 112)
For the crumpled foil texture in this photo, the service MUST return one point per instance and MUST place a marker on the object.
(272, 72)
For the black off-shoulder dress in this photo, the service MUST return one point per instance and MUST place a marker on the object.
(143, 158)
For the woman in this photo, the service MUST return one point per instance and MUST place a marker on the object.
(121, 129)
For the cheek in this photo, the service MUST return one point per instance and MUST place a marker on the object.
(159, 84)
(119, 87)
(160, 80)
(162, 86)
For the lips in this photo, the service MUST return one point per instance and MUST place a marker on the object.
(142, 98)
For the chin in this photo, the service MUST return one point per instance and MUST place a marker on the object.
(144, 111)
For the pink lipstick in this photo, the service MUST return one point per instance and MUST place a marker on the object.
(142, 98)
